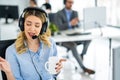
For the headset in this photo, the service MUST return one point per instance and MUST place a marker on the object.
(22, 19)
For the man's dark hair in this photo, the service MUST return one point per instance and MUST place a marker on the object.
(64, 1)
(34, 1)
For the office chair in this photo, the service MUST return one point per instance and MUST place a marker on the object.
(51, 17)
(3, 46)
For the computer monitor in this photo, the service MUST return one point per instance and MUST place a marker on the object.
(9, 11)
(94, 17)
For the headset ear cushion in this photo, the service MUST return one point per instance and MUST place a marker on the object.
(44, 27)
(21, 23)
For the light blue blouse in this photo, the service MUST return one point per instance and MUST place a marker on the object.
(29, 65)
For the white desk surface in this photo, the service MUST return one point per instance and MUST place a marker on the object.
(108, 32)
(9, 31)
(65, 38)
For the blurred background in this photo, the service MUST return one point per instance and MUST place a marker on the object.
(103, 54)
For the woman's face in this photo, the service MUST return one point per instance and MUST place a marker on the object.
(32, 26)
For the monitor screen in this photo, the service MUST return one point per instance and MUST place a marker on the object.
(9, 11)
(94, 17)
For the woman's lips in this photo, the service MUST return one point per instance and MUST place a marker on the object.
(31, 34)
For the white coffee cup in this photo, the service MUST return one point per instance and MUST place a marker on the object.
(50, 65)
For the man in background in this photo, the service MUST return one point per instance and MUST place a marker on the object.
(68, 19)
(47, 6)
(33, 3)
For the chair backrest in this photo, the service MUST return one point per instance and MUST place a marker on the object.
(3, 46)
(51, 17)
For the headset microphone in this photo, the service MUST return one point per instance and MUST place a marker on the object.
(34, 37)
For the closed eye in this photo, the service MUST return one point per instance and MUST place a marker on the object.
(37, 26)
(28, 24)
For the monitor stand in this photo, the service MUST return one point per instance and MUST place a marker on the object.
(6, 20)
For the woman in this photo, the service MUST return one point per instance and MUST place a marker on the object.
(33, 47)
(47, 6)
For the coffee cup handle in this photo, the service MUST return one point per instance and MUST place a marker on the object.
(46, 64)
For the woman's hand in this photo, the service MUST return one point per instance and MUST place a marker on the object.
(4, 65)
(59, 65)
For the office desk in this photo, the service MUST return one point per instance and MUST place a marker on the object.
(109, 33)
(63, 37)
(9, 31)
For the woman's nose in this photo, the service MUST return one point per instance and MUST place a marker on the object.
(32, 28)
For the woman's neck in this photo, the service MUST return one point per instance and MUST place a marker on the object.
(33, 45)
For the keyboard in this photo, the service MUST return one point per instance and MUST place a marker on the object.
(76, 33)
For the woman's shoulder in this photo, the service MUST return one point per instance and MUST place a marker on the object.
(51, 40)
(11, 48)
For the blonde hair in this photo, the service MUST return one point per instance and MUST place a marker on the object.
(20, 45)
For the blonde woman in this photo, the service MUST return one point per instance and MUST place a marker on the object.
(28, 55)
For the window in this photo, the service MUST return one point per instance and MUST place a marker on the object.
(113, 11)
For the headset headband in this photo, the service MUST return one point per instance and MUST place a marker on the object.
(22, 19)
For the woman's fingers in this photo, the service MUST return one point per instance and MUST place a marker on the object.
(59, 65)
(62, 60)
(1, 59)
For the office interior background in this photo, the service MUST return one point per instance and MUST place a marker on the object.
(112, 7)
(99, 47)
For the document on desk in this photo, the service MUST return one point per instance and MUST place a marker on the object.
(75, 32)
(70, 31)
